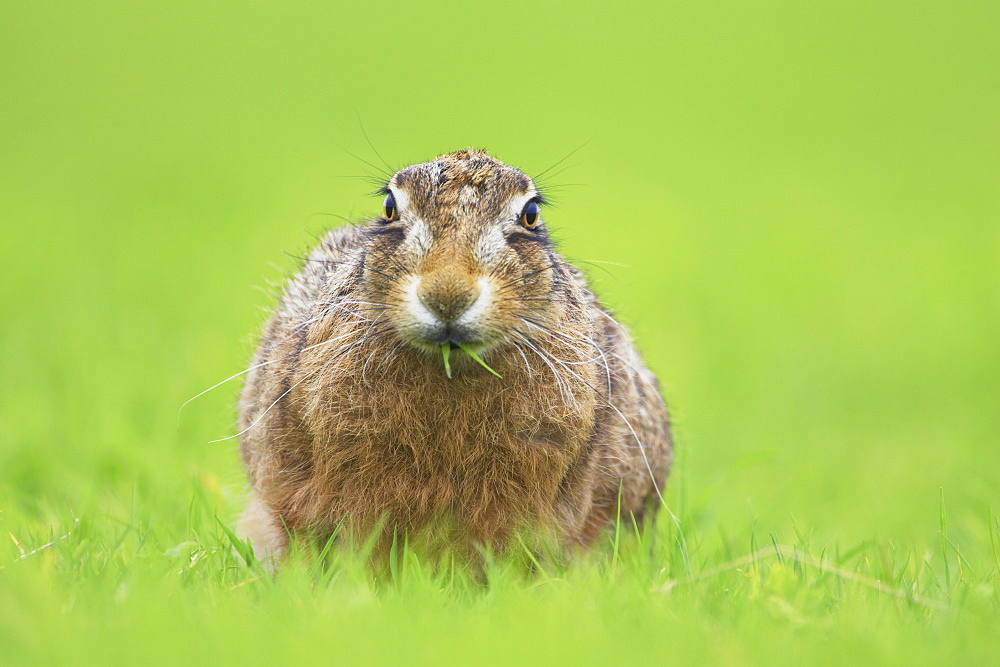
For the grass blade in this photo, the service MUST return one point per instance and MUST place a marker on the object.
(243, 548)
(944, 542)
(469, 351)
(446, 353)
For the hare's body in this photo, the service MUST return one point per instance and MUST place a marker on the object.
(348, 415)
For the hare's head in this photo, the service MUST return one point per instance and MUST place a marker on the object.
(461, 254)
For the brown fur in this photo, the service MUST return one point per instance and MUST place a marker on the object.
(348, 414)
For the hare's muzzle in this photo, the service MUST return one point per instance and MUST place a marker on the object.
(447, 294)
(447, 307)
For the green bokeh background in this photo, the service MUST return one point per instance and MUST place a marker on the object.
(803, 196)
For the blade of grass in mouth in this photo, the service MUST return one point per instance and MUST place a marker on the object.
(446, 353)
(469, 351)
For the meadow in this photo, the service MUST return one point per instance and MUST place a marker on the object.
(794, 207)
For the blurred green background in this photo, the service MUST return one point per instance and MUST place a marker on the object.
(804, 197)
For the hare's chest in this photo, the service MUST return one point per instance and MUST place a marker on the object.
(449, 439)
(441, 416)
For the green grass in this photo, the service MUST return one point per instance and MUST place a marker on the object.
(800, 209)
(117, 587)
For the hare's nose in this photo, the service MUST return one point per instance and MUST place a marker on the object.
(447, 294)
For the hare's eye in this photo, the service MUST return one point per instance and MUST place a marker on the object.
(389, 208)
(529, 216)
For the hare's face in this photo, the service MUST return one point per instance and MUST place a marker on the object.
(461, 254)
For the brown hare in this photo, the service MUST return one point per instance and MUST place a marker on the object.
(350, 416)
